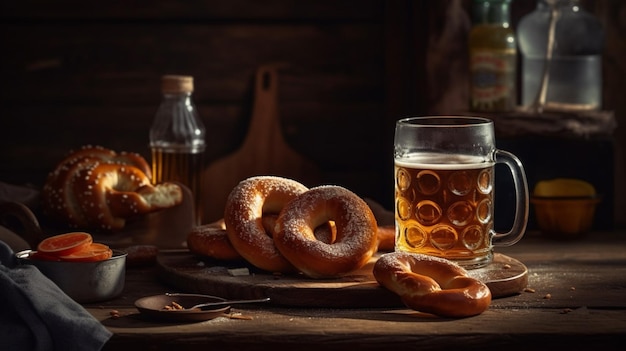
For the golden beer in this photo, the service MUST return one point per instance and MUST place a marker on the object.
(444, 207)
(183, 167)
(444, 177)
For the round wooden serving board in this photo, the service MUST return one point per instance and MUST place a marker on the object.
(189, 273)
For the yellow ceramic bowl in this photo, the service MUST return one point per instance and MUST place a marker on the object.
(565, 217)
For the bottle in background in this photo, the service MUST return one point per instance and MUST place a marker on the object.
(177, 138)
(575, 71)
(492, 57)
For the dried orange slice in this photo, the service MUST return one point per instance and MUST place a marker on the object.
(38, 255)
(94, 252)
(65, 244)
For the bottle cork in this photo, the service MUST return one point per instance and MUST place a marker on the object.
(176, 84)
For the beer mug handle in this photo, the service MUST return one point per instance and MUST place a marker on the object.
(521, 200)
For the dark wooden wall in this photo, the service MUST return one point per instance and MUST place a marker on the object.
(76, 72)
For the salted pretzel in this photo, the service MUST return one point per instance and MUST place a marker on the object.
(247, 204)
(355, 241)
(100, 189)
(432, 285)
(211, 240)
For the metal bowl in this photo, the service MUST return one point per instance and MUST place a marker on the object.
(84, 282)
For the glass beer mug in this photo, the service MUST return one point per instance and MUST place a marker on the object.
(444, 189)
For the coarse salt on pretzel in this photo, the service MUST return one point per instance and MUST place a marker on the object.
(355, 240)
(326, 232)
(432, 285)
(211, 240)
(246, 205)
(98, 188)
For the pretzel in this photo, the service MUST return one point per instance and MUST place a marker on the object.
(211, 240)
(356, 227)
(432, 285)
(246, 205)
(100, 189)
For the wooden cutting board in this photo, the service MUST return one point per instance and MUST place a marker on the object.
(189, 273)
(263, 152)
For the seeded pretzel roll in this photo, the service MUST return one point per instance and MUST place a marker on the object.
(432, 285)
(355, 241)
(100, 189)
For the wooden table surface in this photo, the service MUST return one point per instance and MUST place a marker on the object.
(576, 299)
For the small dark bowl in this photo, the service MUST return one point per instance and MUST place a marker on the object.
(154, 307)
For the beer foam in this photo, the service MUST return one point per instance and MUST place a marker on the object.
(443, 161)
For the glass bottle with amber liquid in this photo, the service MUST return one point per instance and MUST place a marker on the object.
(492, 57)
(177, 138)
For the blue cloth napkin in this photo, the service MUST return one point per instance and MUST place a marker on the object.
(35, 314)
